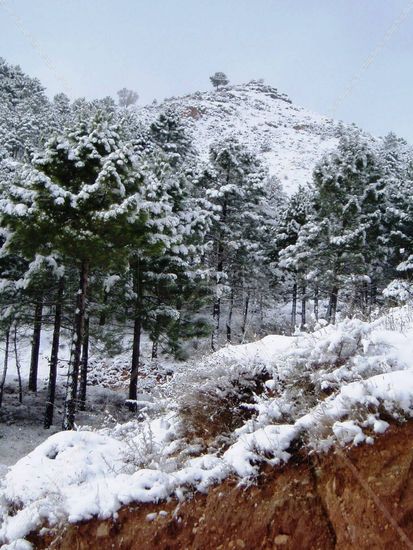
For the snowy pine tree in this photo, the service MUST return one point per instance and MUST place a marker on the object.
(348, 214)
(25, 112)
(83, 202)
(235, 185)
(293, 252)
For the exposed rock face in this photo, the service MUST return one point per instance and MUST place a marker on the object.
(357, 498)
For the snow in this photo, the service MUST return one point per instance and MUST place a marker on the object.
(274, 439)
(348, 432)
(367, 367)
(263, 351)
(289, 139)
(24, 351)
(80, 455)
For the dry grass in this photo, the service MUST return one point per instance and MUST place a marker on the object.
(210, 412)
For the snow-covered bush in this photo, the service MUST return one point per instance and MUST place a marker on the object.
(109, 373)
(323, 361)
(399, 291)
(213, 397)
(155, 444)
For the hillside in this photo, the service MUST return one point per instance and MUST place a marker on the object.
(237, 414)
(189, 327)
(315, 503)
(288, 138)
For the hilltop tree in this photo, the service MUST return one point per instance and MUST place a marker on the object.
(126, 97)
(219, 79)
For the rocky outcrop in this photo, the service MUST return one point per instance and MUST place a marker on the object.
(360, 497)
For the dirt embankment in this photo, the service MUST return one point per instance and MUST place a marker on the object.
(358, 498)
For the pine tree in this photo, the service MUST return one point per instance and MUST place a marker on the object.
(25, 112)
(348, 215)
(235, 185)
(397, 235)
(293, 252)
(84, 202)
(219, 79)
(171, 135)
(62, 114)
(160, 277)
(127, 97)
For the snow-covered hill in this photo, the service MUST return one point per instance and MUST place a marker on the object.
(288, 138)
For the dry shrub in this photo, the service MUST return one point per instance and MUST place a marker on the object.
(216, 404)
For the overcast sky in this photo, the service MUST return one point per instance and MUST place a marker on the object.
(313, 50)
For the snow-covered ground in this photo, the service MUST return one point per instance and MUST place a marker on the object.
(329, 387)
(21, 427)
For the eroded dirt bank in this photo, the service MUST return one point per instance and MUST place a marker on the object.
(360, 498)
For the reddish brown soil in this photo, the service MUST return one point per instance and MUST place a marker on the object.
(358, 498)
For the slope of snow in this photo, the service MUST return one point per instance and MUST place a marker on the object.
(264, 351)
(324, 388)
(289, 139)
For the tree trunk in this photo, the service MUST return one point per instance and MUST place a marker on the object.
(84, 366)
(17, 361)
(136, 347)
(373, 294)
(155, 343)
(5, 366)
(245, 317)
(216, 313)
(34, 359)
(367, 298)
(73, 374)
(261, 311)
(136, 351)
(332, 306)
(102, 318)
(316, 302)
(216, 310)
(229, 319)
(54, 356)
(294, 308)
(303, 308)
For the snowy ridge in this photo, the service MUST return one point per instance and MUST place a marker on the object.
(325, 388)
(289, 139)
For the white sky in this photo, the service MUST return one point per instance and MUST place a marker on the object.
(310, 49)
